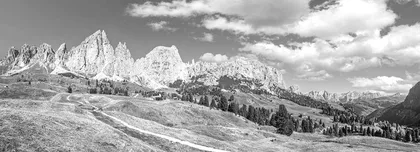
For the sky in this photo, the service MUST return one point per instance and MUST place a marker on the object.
(332, 45)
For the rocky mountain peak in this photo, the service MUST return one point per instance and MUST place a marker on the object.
(123, 62)
(239, 68)
(94, 55)
(162, 65)
(170, 53)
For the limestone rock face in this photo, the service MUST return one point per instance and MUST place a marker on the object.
(294, 89)
(162, 65)
(238, 67)
(60, 55)
(352, 96)
(25, 55)
(324, 95)
(94, 55)
(45, 54)
(12, 55)
(123, 63)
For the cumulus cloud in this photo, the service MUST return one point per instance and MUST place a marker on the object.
(270, 12)
(276, 17)
(314, 75)
(343, 18)
(403, 2)
(381, 83)
(161, 26)
(207, 37)
(367, 49)
(218, 58)
(176, 8)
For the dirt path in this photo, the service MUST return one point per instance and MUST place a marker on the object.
(199, 147)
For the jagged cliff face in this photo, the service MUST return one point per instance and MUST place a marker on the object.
(123, 62)
(94, 55)
(162, 65)
(96, 58)
(238, 67)
(324, 95)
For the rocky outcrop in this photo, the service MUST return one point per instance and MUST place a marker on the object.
(324, 96)
(61, 55)
(162, 65)
(94, 55)
(123, 62)
(238, 67)
(294, 89)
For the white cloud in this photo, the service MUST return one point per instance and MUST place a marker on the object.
(218, 58)
(161, 26)
(314, 75)
(221, 23)
(381, 83)
(367, 49)
(176, 8)
(255, 12)
(207, 37)
(345, 17)
(403, 2)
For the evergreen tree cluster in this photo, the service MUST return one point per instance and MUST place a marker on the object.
(346, 119)
(394, 132)
(106, 87)
(307, 101)
(260, 115)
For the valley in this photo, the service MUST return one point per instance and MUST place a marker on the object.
(93, 122)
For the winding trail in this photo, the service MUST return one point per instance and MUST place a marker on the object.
(199, 147)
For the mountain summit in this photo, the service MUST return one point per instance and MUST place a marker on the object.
(95, 58)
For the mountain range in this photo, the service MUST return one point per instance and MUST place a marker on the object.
(95, 58)
(351, 96)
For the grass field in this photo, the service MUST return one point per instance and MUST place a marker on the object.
(37, 118)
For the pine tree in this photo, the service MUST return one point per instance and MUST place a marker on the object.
(224, 105)
(243, 112)
(69, 89)
(408, 137)
(191, 98)
(213, 104)
(282, 121)
(305, 127)
(206, 101)
(310, 125)
(201, 101)
(286, 128)
(340, 133)
(231, 98)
